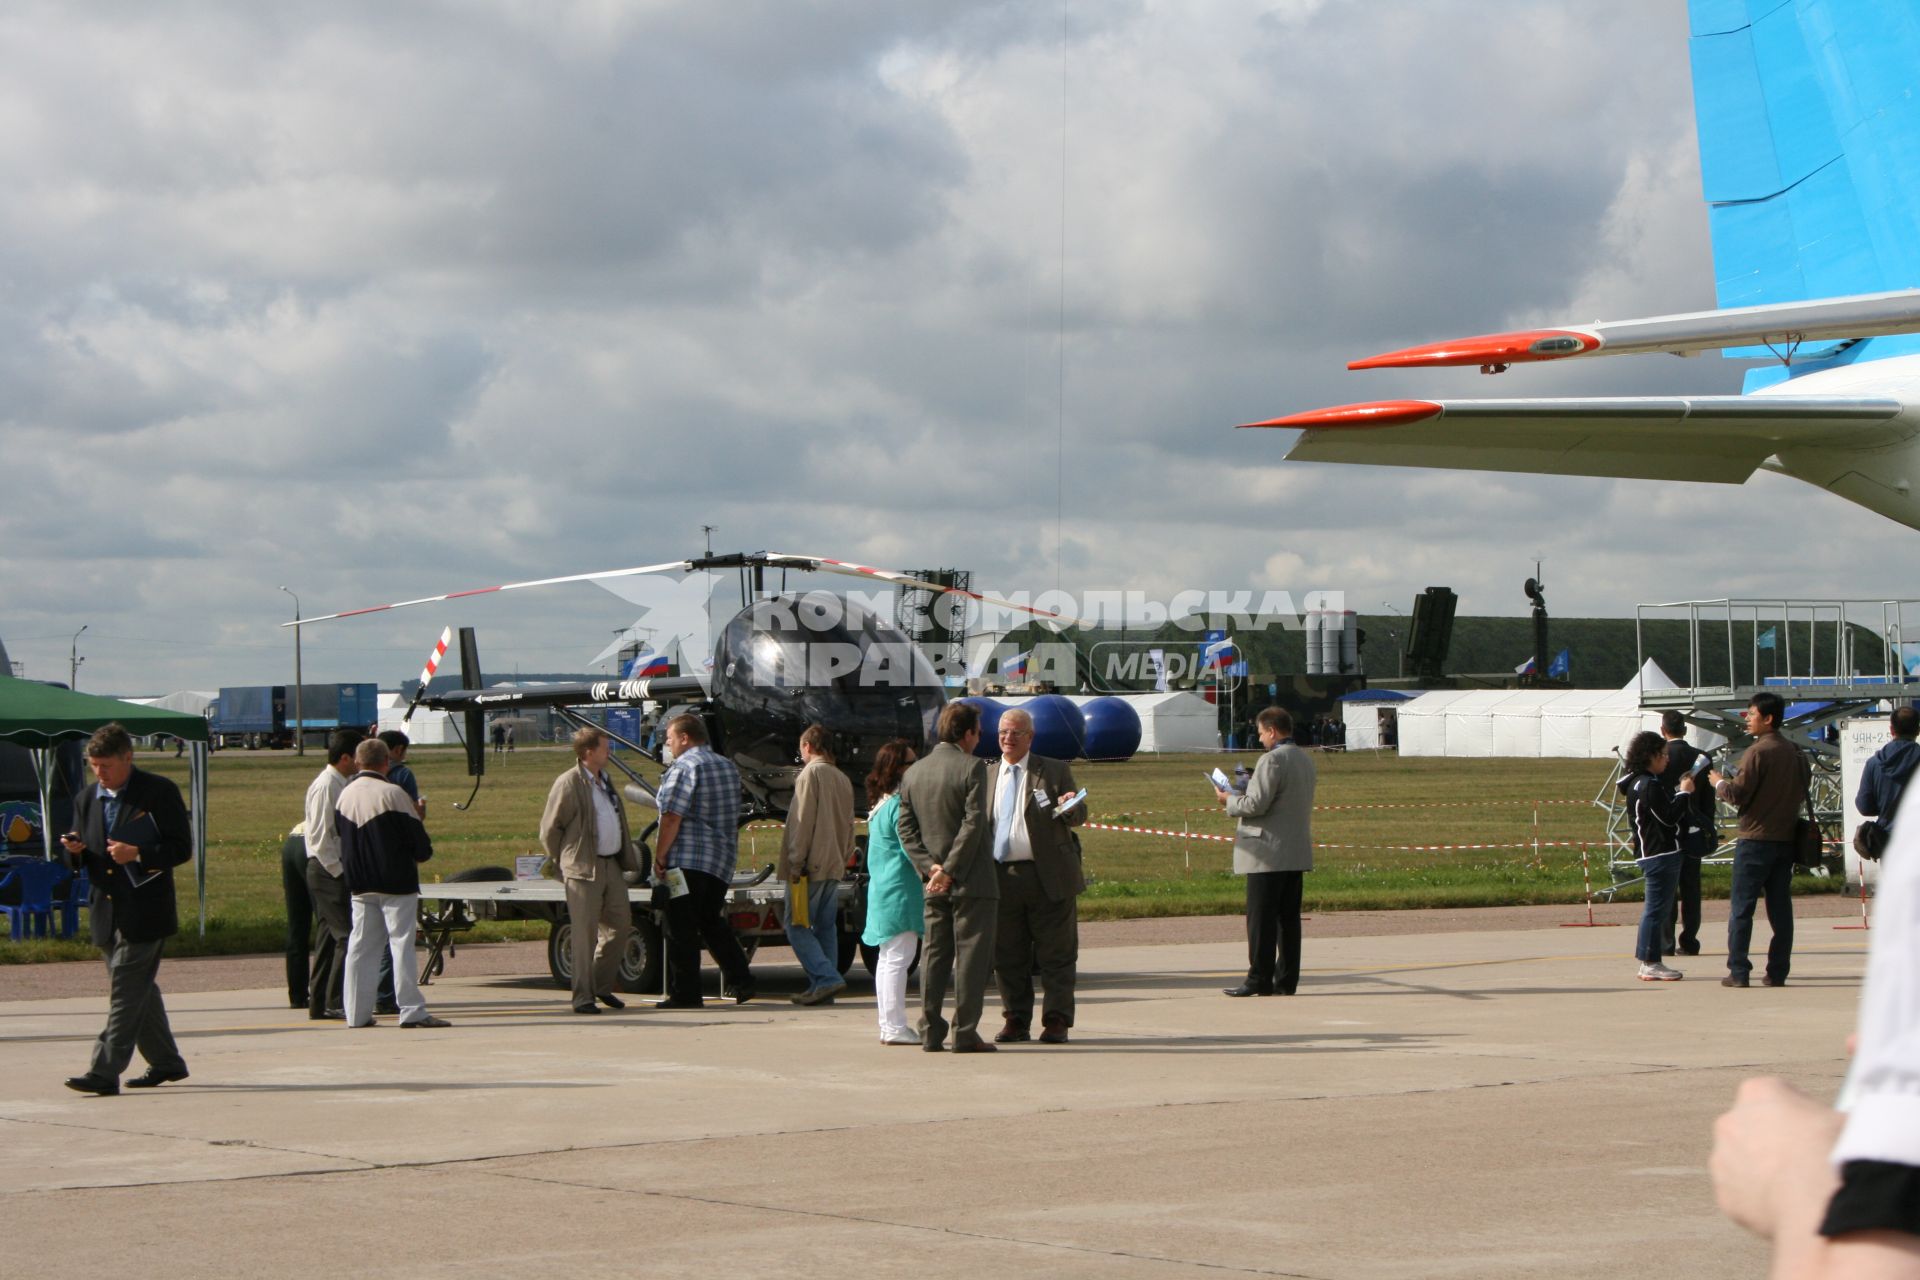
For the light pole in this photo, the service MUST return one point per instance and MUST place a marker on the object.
(74, 659)
(299, 718)
(1399, 650)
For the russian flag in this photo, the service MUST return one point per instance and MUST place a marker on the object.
(1015, 668)
(647, 664)
(1213, 653)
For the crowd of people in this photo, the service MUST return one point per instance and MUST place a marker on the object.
(975, 866)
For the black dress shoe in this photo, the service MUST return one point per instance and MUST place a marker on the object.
(1731, 981)
(154, 1076)
(974, 1045)
(612, 1002)
(1013, 1031)
(587, 1008)
(1693, 950)
(745, 991)
(1773, 982)
(1247, 989)
(93, 1084)
(387, 1007)
(933, 1046)
(679, 1004)
(331, 1015)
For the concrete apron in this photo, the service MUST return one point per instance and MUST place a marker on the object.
(1466, 1104)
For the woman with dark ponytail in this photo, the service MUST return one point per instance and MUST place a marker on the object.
(1654, 814)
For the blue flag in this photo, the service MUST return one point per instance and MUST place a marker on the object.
(1766, 639)
(1562, 663)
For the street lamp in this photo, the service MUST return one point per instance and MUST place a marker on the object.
(1399, 650)
(74, 659)
(299, 717)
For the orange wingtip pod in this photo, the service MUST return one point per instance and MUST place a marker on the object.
(1488, 349)
(1380, 413)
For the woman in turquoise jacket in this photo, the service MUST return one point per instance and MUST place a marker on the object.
(896, 902)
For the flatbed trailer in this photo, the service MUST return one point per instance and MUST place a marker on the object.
(755, 907)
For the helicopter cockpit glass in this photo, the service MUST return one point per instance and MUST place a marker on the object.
(793, 660)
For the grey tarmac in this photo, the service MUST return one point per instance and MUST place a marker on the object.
(1495, 1101)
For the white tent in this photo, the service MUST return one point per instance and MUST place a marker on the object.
(1587, 724)
(1172, 721)
(428, 728)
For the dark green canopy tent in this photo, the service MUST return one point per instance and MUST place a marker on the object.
(41, 716)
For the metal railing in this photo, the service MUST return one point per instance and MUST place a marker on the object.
(1826, 634)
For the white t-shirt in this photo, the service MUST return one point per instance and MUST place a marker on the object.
(1882, 1093)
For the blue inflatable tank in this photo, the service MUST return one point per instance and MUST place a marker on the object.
(1058, 728)
(1113, 729)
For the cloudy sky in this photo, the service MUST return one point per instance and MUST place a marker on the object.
(377, 301)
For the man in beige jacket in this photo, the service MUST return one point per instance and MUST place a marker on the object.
(817, 844)
(584, 831)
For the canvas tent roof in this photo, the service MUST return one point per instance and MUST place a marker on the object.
(38, 715)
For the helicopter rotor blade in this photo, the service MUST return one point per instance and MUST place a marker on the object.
(675, 566)
(826, 565)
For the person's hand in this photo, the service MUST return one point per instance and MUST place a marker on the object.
(1716, 777)
(1769, 1162)
(940, 882)
(659, 869)
(122, 852)
(72, 843)
(1221, 792)
(1686, 784)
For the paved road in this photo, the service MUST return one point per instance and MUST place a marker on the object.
(1491, 1102)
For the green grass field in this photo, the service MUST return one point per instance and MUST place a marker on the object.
(1370, 807)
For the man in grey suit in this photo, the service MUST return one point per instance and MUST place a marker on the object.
(584, 830)
(1273, 849)
(944, 828)
(1038, 861)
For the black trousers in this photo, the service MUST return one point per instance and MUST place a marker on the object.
(136, 1016)
(1685, 910)
(1273, 929)
(334, 905)
(693, 918)
(293, 886)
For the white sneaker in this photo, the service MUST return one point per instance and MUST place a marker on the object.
(906, 1035)
(1659, 973)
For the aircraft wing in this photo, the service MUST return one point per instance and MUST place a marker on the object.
(1781, 325)
(1722, 439)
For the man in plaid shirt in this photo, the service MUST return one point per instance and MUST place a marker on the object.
(700, 835)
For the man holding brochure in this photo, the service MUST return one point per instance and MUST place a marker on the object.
(1273, 849)
(1034, 808)
(130, 831)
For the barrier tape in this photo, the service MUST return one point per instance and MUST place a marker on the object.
(1404, 848)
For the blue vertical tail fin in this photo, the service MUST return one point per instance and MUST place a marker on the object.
(1809, 125)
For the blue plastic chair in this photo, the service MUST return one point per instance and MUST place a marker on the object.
(78, 887)
(34, 912)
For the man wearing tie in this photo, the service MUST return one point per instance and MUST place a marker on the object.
(943, 827)
(1037, 857)
(131, 831)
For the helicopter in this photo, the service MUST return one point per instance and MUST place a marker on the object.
(784, 661)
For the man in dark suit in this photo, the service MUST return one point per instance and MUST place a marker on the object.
(943, 827)
(1273, 849)
(1696, 838)
(130, 831)
(1037, 857)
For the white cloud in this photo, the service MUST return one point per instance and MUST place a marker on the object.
(382, 301)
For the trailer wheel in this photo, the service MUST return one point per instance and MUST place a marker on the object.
(640, 967)
(560, 953)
